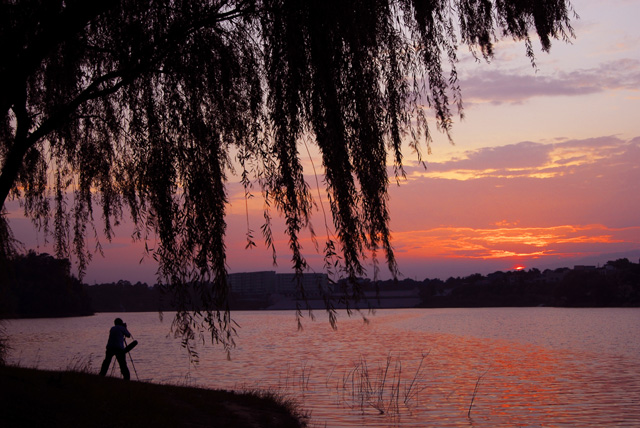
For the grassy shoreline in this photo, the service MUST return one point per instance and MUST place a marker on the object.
(33, 397)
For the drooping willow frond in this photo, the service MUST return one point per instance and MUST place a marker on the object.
(139, 107)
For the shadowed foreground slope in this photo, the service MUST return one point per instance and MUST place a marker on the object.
(64, 399)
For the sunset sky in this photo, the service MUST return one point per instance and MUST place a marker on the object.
(544, 172)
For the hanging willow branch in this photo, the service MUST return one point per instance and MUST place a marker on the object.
(138, 107)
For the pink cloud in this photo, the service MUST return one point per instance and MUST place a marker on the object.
(498, 86)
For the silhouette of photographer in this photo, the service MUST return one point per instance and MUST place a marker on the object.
(116, 347)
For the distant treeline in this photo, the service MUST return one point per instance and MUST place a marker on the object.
(42, 286)
(122, 296)
(616, 284)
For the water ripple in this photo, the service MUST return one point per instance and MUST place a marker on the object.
(406, 368)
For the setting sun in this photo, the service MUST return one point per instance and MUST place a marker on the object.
(519, 267)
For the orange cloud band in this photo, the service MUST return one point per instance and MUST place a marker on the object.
(512, 242)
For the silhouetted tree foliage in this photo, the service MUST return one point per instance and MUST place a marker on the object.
(39, 285)
(122, 296)
(125, 297)
(142, 108)
(617, 284)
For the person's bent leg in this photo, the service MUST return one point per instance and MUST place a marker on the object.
(105, 364)
(122, 361)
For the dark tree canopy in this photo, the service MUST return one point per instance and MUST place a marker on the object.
(41, 286)
(143, 108)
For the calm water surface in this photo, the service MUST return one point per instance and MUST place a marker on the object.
(533, 367)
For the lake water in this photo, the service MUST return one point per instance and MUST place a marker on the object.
(498, 367)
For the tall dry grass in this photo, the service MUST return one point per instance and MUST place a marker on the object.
(388, 388)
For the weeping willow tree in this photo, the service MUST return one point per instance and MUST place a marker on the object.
(142, 108)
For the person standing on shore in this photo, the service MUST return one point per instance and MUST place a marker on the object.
(116, 347)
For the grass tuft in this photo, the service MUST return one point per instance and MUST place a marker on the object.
(384, 388)
(4, 344)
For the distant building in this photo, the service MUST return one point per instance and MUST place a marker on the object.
(253, 283)
(314, 284)
(270, 282)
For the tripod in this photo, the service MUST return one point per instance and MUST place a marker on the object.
(127, 349)
(133, 344)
